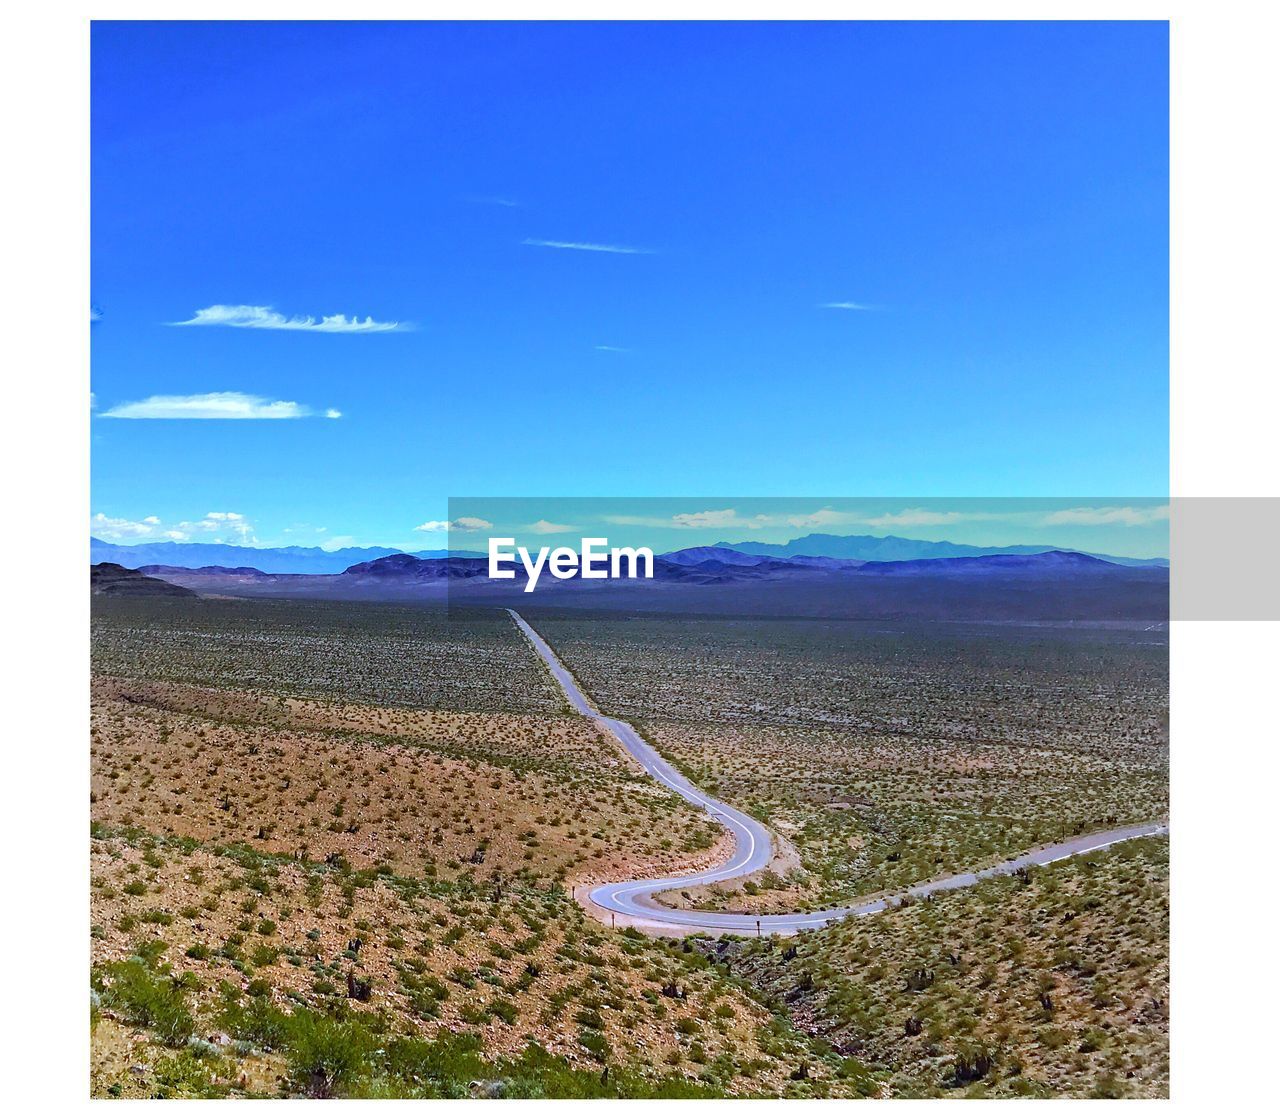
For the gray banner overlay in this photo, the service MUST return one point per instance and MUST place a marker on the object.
(1132, 560)
(1224, 555)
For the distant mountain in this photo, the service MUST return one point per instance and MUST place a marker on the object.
(1048, 586)
(109, 579)
(269, 560)
(692, 556)
(721, 566)
(413, 568)
(1064, 563)
(894, 548)
(243, 571)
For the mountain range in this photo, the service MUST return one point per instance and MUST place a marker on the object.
(817, 550)
(1049, 586)
(894, 548)
(269, 560)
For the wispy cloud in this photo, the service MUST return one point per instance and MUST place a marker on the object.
(337, 542)
(612, 349)
(221, 526)
(1124, 515)
(927, 517)
(724, 517)
(719, 518)
(462, 524)
(845, 306)
(711, 518)
(116, 527)
(823, 517)
(494, 200)
(582, 246)
(267, 318)
(214, 405)
(546, 527)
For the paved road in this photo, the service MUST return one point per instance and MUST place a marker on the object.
(753, 848)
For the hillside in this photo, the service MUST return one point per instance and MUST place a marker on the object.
(108, 579)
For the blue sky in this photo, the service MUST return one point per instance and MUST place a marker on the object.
(989, 200)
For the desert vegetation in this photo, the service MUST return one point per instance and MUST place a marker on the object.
(885, 756)
(335, 850)
(296, 892)
(381, 654)
(219, 970)
(1052, 982)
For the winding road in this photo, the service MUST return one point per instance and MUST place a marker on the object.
(753, 847)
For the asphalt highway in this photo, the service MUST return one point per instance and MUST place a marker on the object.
(753, 847)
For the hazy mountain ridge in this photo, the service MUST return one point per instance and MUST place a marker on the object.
(896, 548)
(268, 560)
(815, 550)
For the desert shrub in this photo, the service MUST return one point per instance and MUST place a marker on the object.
(186, 1075)
(258, 1021)
(146, 997)
(327, 1056)
(445, 1065)
(595, 1043)
(504, 1011)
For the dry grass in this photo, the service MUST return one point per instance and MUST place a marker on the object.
(1059, 978)
(888, 755)
(551, 800)
(372, 814)
(510, 966)
(384, 655)
(397, 870)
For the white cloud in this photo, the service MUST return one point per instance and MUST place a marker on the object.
(612, 349)
(115, 528)
(582, 246)
(213, 405)
(1125, 515)
(917, 517)
(266, 318)
(546, 527)
(725, 517)
(824, 517)
(462, 523)
(505, 203)
(845, 306)
(721, 518)
(222, 526)
(333, 413)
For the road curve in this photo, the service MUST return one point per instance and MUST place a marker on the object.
(753, 848)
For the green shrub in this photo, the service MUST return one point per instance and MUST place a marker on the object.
(143, 996)
(327, 1056)
(595, 1043)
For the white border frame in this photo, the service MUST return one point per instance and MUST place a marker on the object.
(1224, 239)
